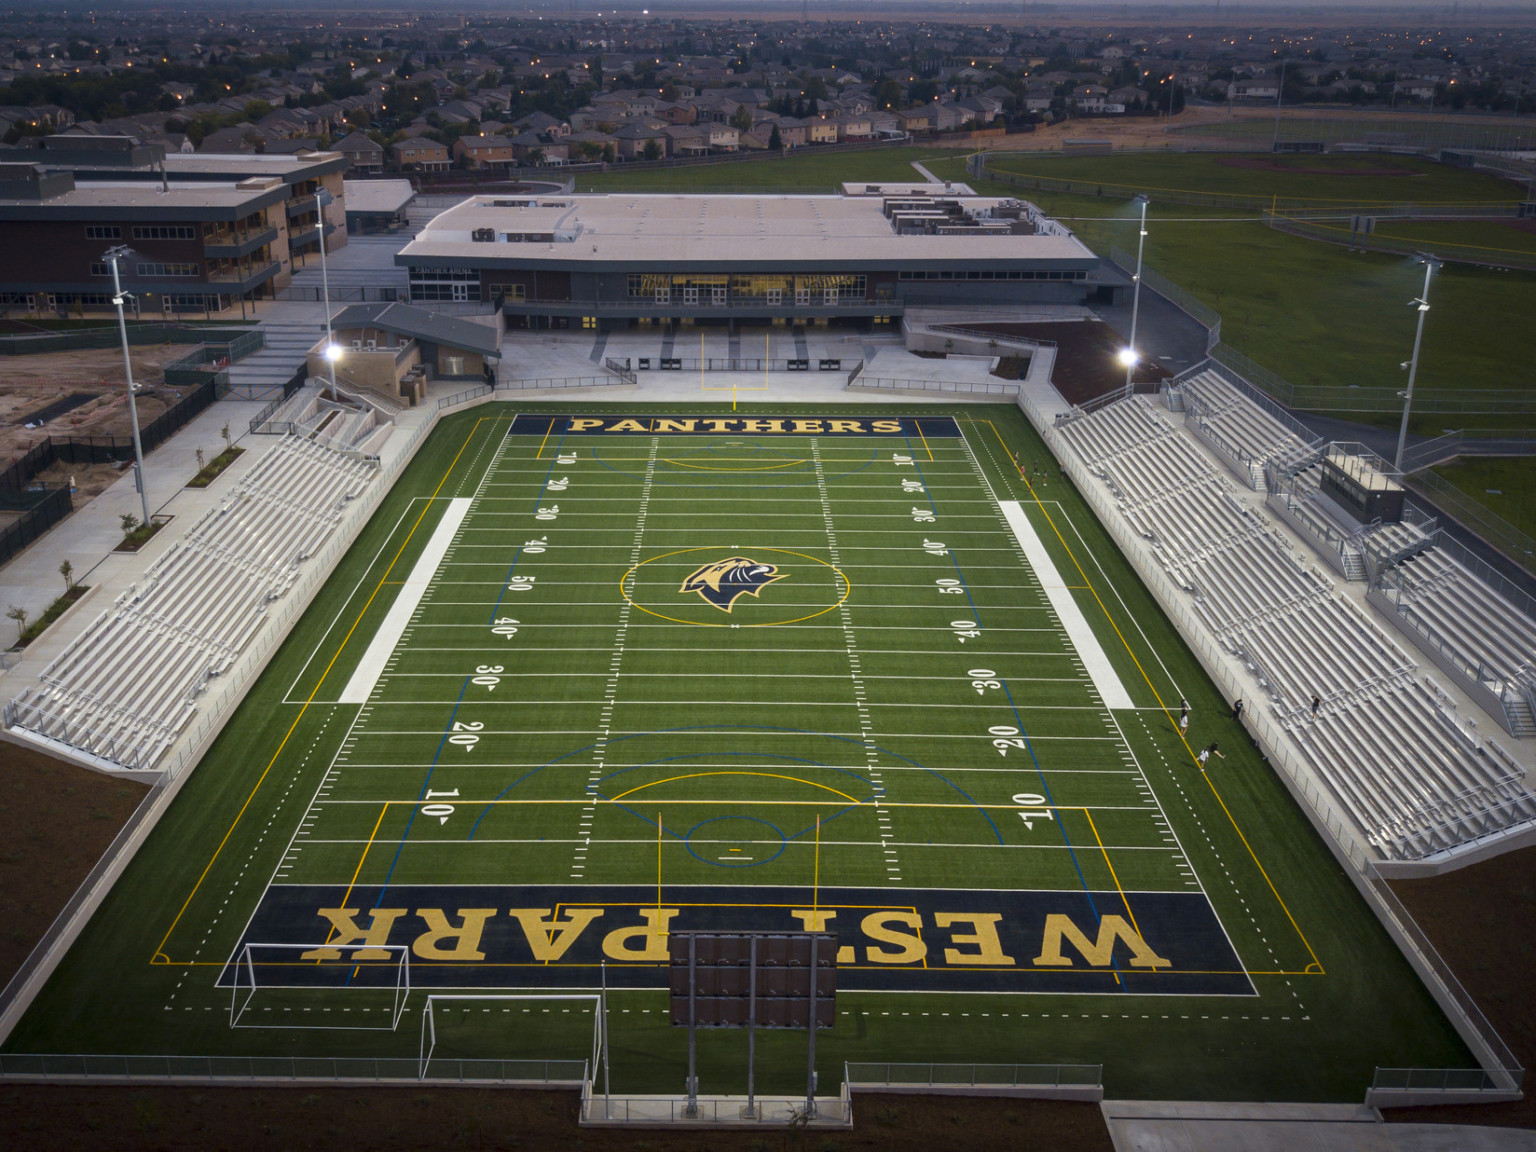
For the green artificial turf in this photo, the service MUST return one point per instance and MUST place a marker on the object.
(622, 727)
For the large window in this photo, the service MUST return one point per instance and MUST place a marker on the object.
(996, 274)
(164, 232)
(719, 289)
(103, 232)
(459, 284)
(157, 268)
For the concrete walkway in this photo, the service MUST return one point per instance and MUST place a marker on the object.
(1174, 1126)
(86, 537)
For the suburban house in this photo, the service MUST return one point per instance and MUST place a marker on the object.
(483, 151)
(363, 154)
(421, 153)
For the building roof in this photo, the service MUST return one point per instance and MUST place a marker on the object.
(377, 196)
(655, 230)
(419, 324)
(112, 201)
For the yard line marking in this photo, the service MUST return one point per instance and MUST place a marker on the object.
(1105, 680)
(365, 677)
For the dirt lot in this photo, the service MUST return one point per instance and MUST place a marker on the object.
(1085, 357)
(30, 384)
(55, 822)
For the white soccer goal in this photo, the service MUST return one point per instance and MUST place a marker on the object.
(367, 986)
(598, 1058)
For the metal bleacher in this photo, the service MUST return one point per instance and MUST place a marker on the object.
(1468, 628)
(123, 690)
(1241, 432)
(1413, 779)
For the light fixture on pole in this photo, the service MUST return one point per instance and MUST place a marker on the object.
(1128, 355)
(113, 256)
(332, 352)
(1431, 265)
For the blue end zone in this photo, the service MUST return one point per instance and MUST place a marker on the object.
(927, 940)
(931, 427)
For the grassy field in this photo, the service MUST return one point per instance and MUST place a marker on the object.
(890, 733)
(799, 168)
(1413, 130)
(1317, 313)
(1285, 181)
(1502, 485)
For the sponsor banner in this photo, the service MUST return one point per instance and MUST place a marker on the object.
(929, 427)
(555, 936)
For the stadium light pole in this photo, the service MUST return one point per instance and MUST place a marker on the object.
(1279, 95)
(113, 256)
(332, 352)
(1128, 355)
(1422, 303)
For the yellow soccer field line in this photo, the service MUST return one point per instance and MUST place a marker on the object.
(159, 955)
(1105, 851)
(545, 441)
(1162, 705)
(358, 871)
(918, 424)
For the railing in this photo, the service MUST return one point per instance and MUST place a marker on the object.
(1262, 400)
(622, 371)
(599, 1108)
(1469, 442)
(232, 245)
(998, 337)
(1199, 311)
(976, 387)
(742, 364)
(240, 277)
(559, 382)
(1491, 527)
(1344, 234)
(465, 396)
(878, 1075)
(33, 343)
(1442, 1080)
(25, 1066)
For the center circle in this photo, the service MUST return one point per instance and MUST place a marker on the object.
(688, 558)
(735, 841)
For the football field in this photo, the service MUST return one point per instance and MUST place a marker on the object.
(593, 676)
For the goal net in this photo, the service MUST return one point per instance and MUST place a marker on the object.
(286, 986)
(460, 1016)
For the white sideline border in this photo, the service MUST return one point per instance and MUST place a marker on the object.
(1106, 680)
(366, 675)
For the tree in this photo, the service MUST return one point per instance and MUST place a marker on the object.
(228, 443)
(67, 570)
(20, 616)
(741, 119)
(651, 151)
(775, 140)
(130, 523)
(887, 93)
(200, 462)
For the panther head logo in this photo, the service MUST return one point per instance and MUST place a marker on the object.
(721, 582)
